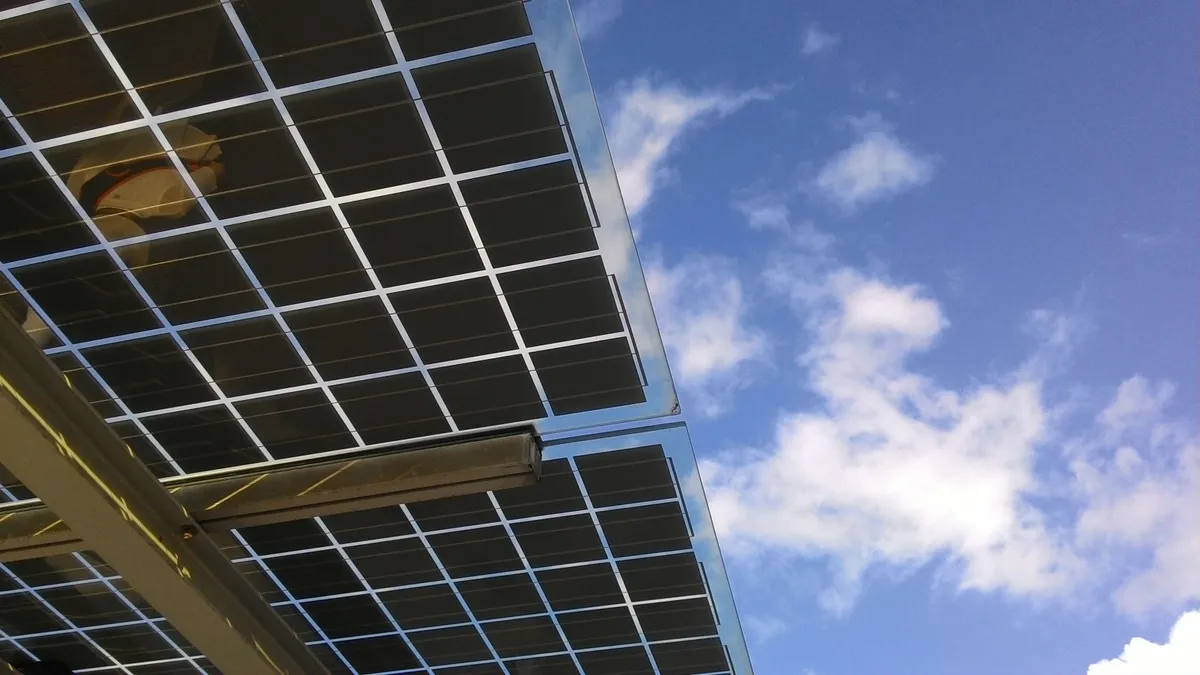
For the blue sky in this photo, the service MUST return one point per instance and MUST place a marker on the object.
(927, 276)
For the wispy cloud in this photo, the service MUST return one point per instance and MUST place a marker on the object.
(702, 315)
(816, 41)
(593, 16)
(648, 122)
(876, 167)
(890, 469)
(1179, 655)
(764, 628)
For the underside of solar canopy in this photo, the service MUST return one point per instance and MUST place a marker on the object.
(322, 277)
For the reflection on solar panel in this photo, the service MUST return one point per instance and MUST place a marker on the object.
(598, 569)
(266, 229)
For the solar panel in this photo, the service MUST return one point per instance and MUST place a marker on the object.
(264, 229)
(605, 566)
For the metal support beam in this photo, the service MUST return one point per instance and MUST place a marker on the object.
(308, 489)
(55, 444)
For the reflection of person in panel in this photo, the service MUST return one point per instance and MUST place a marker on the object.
(129, 187)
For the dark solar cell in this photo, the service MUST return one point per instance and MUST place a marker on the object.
(295, 620)
(88, 605)
(530, 214)
(589, 376)
(626, 476)
(599, 628)
(329, 659)
(301, 256)
(492, 109)
(445, 646)
(307, 40)
(454, 321)
(690, 658)
(347, 617)
(556, 492)
(263, 169)
(133, 643)
(559, 541)
(414, 236)
(645, 529)
(662, 576)
(247, 357)
(501, 597)
(451, 512)
(70, 649)
(38, 218)
(171, 668)
(203, 439)
(394, 563)
(315, 574)
(378, 654)
(149, 373)
(301, 423)
(261, 582)
(370, 524)
(474, 552)
(580, 587)
(391, 408)
(87, 296)
(424, 607)
(55, 569)
(143, 448)
(195, 56)
(53, 77)
(524, 637)
(8, 136)
(365, 135)
(194, 277)
(562, 302)
(85, 383)
(23, 614)
(627, 661)
(350, 338)
(676, 619)
(484, 393)
(544, 665)
(292, 535)
(436, 28)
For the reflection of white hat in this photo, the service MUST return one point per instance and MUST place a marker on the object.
(156, 190)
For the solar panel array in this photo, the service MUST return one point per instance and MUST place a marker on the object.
(590, 571)
(370, 226)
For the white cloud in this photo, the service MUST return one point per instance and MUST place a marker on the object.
(647, 123)
(817, 41)
(893, 470)
(876, 167)
(1179, 655)
(765, 628)
(593, 16)
(1138, 401)
(889, 469)
(701, 310)
(1141, 490)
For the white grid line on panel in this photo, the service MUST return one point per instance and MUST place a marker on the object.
(612, 562)
(119, 72)
(161, 137)
(419, 105)
(287, 593)
(286, 116)
(450, 580)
